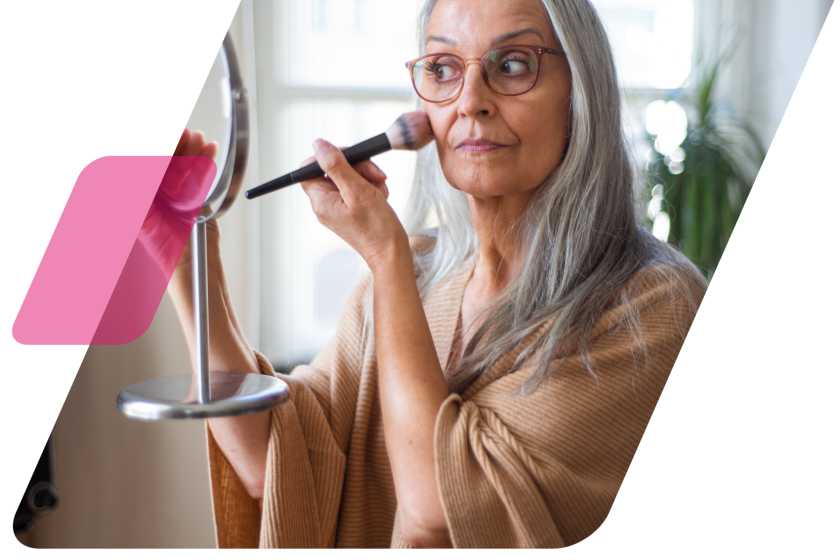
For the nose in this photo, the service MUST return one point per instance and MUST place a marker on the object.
(476, 97)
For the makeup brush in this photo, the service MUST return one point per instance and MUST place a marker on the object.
(411, 131)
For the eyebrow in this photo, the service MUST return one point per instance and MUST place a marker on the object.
(495, 42)
(508, 36)
(440, 39)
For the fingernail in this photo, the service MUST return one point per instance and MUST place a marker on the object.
(320, 146)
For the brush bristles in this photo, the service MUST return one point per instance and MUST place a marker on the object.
(411, 131)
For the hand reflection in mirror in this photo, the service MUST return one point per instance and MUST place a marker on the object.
(182, 192)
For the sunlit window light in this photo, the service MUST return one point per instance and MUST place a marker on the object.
(662, 226)
(669, 123)
(678, 155)
(655, 207)
(671, 43)
(652, 40)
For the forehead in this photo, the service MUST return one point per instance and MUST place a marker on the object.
(482, 24)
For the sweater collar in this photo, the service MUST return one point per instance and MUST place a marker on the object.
(443, 307)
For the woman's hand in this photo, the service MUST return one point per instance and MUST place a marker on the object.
(352, 202)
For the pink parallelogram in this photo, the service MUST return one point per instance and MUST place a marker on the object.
(113, 252)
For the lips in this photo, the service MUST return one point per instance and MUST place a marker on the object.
(478, 145)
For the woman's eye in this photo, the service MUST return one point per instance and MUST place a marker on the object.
(514, 66)
(441, 72)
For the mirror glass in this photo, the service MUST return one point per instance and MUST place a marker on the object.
(212, 113)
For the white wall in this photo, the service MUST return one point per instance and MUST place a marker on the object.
(787, 35)
(777, 37)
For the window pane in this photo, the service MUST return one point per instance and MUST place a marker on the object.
(350, 43)
(340, 42)
(651, 39)
(313, 269)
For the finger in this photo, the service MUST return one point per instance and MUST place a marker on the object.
(325, 199)
(319, 185)
(195, 144)
(374, 175)
(177, 174)
(370, 171)
(334, 164)
(382, 188)
(367, 169)
(324, 183)
(210, 150)
(182, 142)
(315, 190)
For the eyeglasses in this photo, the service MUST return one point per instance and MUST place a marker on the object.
(508, 70)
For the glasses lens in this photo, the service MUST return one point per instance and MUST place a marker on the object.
(511, 70)
(438, 77)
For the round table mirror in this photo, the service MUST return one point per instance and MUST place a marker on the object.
(221, 113)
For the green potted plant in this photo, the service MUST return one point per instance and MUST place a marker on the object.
(701, 185)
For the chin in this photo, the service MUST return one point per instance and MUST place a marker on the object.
(484, 188)
(486, 183)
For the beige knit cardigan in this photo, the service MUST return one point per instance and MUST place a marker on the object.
(533, 470)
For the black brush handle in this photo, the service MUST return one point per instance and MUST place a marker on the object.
(360, 152)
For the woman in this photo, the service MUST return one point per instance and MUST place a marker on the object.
(490, 380)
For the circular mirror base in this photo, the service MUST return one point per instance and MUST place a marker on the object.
(231, 394)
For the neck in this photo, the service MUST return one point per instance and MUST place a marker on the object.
(497, 221)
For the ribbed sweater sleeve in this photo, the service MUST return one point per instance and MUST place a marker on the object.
(304, 475)
(542, 470)
(308, 444)
(237, 516)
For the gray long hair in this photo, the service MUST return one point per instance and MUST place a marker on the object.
(579, 240)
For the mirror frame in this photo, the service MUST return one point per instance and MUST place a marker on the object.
(233, 173)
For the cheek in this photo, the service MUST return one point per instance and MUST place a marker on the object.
(441, 121)
(456, 174)
(543, 138)
(547, 135)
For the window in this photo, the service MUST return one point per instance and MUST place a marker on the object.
(323, 72)
(651, 40)
(338, 83)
